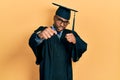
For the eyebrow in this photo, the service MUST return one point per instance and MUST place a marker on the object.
(62, 19)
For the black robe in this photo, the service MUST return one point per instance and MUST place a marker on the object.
(55, 55)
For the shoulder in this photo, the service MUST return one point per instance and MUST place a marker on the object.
(69, 31)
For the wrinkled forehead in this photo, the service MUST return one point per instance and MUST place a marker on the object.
(59, 17)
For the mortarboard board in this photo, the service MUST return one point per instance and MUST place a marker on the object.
(65, 12)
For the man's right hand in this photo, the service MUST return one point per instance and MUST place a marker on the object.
(47, 33)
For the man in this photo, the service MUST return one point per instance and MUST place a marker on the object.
(55, 47)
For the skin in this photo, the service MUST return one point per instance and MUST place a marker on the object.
(60, 24)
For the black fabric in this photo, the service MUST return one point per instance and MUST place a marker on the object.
(54, 55)
(63, 12)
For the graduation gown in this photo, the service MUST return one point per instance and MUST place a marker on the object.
(55, 55)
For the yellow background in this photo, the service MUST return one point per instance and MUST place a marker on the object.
(97, 22)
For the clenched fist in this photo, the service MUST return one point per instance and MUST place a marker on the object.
(47, 33)
(70, 38)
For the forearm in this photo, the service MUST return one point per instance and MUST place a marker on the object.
(79, 48)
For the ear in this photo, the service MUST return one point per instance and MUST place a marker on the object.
(54, 17)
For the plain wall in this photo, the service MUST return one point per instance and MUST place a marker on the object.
(97, 22)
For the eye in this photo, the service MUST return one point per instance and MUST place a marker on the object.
(66, 21)
(59, 19)
(62, 21)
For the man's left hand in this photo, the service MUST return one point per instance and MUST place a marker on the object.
(70, 38)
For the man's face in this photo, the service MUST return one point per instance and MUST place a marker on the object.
(60, 23)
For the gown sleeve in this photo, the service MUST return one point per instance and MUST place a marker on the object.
(35, 45)
(79, 48)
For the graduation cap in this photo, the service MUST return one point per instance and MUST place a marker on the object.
(65, 13)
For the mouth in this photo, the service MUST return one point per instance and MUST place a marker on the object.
(60, 28)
